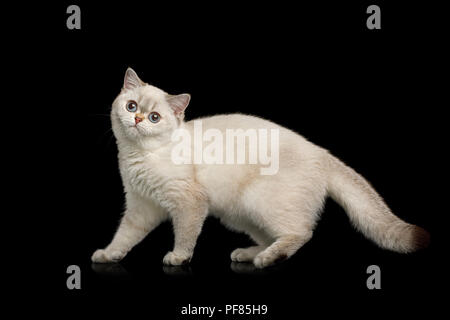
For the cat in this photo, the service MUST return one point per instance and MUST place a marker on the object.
(278, 212)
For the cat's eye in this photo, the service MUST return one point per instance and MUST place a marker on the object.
(154, 117)
(131, 106)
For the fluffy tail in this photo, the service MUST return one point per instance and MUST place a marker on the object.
(370, 214)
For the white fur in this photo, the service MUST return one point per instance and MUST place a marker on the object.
(279, 212)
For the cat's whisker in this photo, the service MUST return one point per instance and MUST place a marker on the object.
(100, 115)
(106, 135)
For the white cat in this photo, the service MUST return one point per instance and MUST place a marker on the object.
(279, 212)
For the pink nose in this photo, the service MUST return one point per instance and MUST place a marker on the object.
(137, 120)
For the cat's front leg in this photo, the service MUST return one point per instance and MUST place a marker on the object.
(127, 236)
(187, 225)
(139, 219)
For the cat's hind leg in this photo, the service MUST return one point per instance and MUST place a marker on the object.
(287, 215)
(246, 254)
(249, 254)
(282, 248)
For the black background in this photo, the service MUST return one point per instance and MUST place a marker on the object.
(369, 96)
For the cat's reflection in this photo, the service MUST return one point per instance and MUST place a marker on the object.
(110, 269)
(243, 268)
(184, 270)
(249, 268)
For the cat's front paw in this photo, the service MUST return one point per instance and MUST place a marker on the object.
(175, 259)
(107, 256)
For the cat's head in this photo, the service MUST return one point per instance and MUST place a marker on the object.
(142, 111)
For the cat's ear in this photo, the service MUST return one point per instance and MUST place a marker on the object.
(179, 102)
(131, 80)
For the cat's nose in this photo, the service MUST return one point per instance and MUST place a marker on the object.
(138, 118)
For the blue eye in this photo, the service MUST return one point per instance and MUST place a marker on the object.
(154, 117)
(132, 106)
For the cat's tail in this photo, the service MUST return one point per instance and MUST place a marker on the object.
(370, 214)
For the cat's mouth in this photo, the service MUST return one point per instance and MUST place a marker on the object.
(136, 128)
